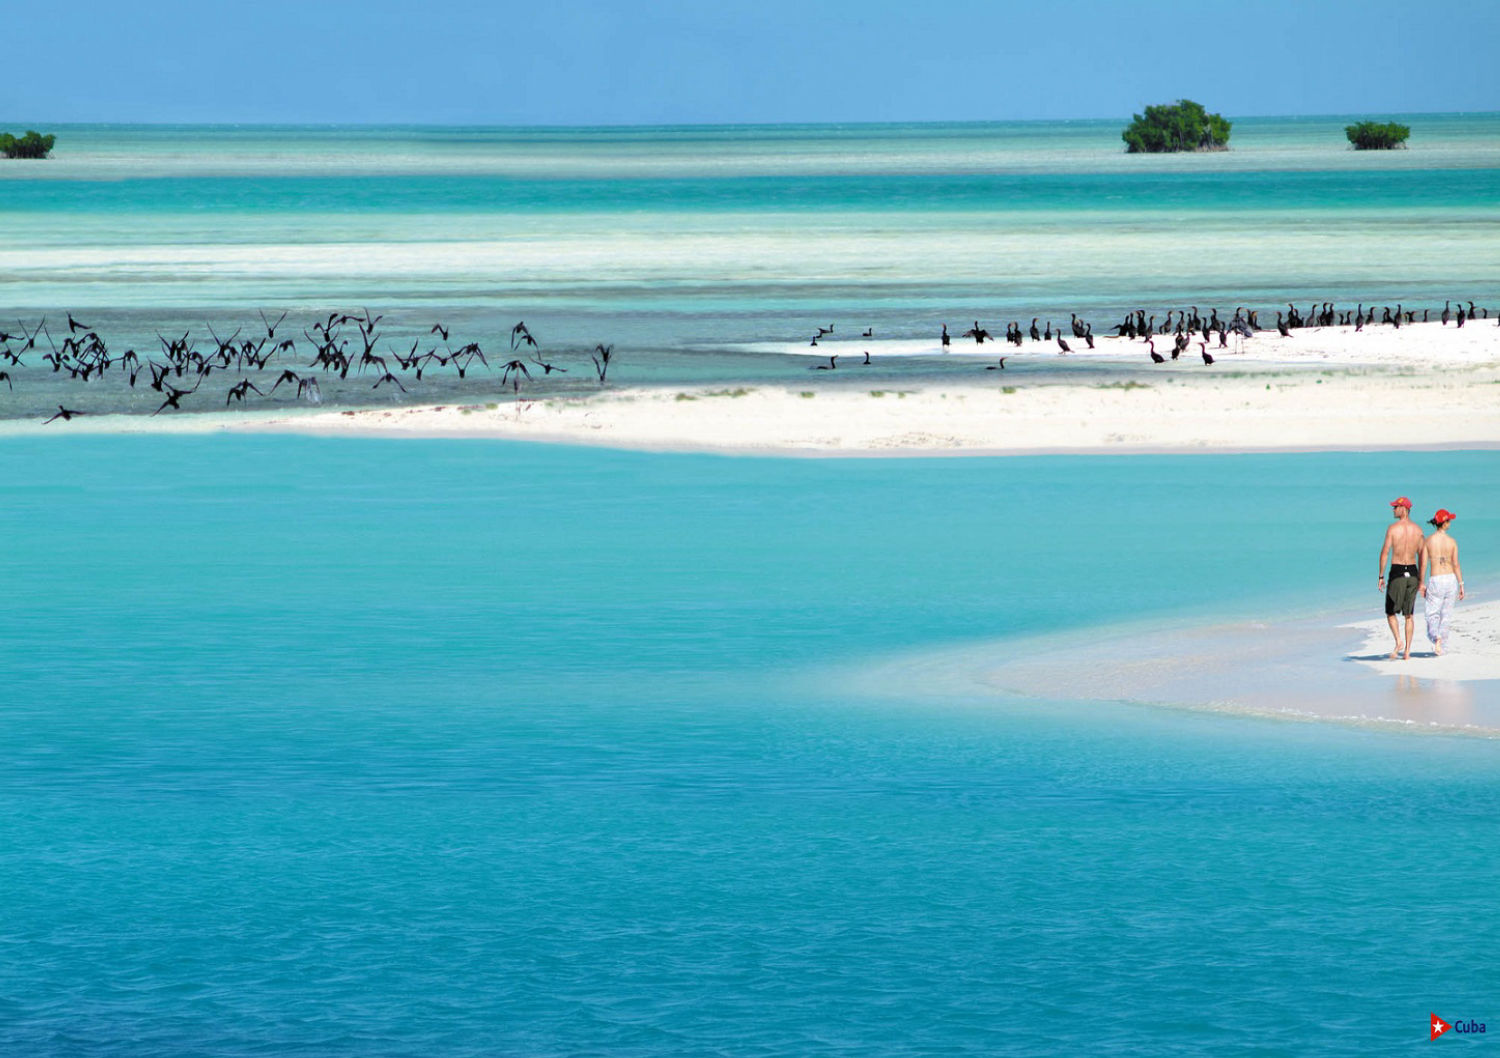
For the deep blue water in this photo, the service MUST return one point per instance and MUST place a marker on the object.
(379, 748)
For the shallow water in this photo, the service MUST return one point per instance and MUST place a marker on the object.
(676, 238)
(365, 747)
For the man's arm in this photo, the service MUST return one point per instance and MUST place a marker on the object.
(1385, 551)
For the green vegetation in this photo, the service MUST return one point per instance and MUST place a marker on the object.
(1374, 136)
(1132, 384)
(807, 393)
(1181, 126)
(739, 391)
(31, 145)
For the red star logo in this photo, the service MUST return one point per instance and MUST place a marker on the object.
(1439, 1026)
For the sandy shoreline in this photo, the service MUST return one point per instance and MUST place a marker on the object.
(1422, 386)
(1326, 667)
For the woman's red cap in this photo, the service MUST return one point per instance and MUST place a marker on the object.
(1443, 515)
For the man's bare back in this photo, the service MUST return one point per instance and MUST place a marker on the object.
(1403, 540)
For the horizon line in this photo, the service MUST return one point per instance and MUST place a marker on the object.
(710, 124)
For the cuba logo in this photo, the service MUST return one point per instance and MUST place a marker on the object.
(1463, 1026)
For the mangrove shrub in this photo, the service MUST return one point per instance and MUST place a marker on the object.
(1374, 136)
(31, 145)
(1180, 126)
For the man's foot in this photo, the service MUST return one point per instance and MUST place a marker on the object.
(1406, 654)
(1394, 654)
(1437, 647)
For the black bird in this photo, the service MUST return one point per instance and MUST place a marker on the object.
(825, 330)
(519, 333)
(515, 383)
(30, 336)
(867, 359)
(6, 375)
(1036, 335)
(173, 396)
(238, 391)
(945, 336)
(1088, 335)
(288, 376)
(1207, 357)
(1156, 358)
(74, 326)
(601, 356)
(1447, 312)
(1062, 346)
(549, 368)
(388, 377)
(439, 329)
(64, 414)
(869, 333)
(271, 327)
(997, 367)
(833, 363)
(978, 333)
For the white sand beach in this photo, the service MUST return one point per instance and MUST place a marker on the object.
(1472, 654)
(1318, 667)
(1419, 386)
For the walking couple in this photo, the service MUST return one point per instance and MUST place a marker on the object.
(1420, 565)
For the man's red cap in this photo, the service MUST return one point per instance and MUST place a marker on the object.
(1443, 516)
(1401, 502)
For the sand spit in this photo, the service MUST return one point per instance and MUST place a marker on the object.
(1416, 387)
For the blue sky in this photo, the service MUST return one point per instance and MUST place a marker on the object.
(580, 62)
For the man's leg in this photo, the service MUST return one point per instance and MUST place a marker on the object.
(1411, 624)
(1391, 620)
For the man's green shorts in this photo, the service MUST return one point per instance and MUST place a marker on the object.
(1401, 591)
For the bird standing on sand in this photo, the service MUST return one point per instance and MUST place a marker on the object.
(1156, 358)
(945, 336)
(1207, 357)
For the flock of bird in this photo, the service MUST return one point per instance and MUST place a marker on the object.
(341, 344)
(1185, 326)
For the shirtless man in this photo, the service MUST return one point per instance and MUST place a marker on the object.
(1403, 545)
(1442, 579)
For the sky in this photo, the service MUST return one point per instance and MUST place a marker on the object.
(589, 62)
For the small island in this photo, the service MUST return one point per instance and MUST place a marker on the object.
(1180, 126)
(31, 145)
(1375, 136)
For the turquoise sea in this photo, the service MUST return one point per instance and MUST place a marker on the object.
(361, 747)
(320, 746)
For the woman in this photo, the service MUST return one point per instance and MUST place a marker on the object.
(1443, 578)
